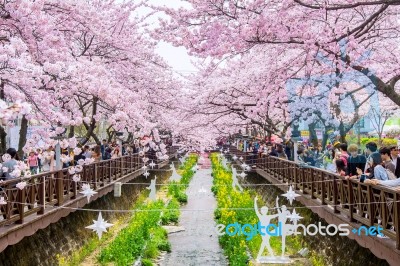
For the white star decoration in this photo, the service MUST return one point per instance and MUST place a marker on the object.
(99, 226)
(21, 185)
(144, 167)
(241, 158)
(244, 166)
(3, 201)
(234, 157)
(290, 195)
(87, 191)
(294, 217)
(242, 174)
(152, 164)
(146, 174)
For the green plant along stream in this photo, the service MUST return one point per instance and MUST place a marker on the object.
(144, 235)
(237, 248)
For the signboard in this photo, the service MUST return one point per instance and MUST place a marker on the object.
(304, 133)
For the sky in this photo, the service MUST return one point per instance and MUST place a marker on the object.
(176, 57)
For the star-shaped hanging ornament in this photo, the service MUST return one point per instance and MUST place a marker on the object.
(21, 185)
(294, 217)
(234, 157)
(242, 175)
(87, 191)
(2, 201)
(290, 195)
(146, 174)
(100, 226)
(241, 158)
(152, 164)
(144, 167)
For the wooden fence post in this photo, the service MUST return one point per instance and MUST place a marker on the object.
(21, 204)
(397, 218)
(60, 188)
(42, 195)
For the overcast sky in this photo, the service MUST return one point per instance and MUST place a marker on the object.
(176, 57)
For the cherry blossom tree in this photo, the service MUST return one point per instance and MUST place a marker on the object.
(339, 37)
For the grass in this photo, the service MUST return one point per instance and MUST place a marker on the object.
(143, 235)
(236, 247)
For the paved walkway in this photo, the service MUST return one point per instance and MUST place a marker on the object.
(198, 244)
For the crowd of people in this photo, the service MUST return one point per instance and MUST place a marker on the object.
(373, 165)
(40, 160)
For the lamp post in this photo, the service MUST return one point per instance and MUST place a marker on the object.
(58, 152)
(295, 139)
(58, 149)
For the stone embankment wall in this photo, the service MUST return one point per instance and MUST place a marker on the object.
(69, 233)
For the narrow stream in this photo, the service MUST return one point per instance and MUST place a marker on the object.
(198, 243)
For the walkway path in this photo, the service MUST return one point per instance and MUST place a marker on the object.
(198, 244)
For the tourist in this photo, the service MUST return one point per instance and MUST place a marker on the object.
(39, 153)
(78, 157)
(288, 149)
(301, 155)
(115, 152)
(271, 150)
(341, 168)
(9, 165)
(375, 168)
(87, 153)
(394, 154)
(344, 155)
(48, 159)
(387, 160)
(370, 148)
(107, 153)
(261, 149)
(240, 146)
(281, 153)
(355, 161)
(318, 155)
(103, 148)
(33, 162)
(96, 154)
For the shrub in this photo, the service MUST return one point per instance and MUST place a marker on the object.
(171, 213)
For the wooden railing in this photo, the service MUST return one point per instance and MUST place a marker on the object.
(363, 203)
(57, 187)
(367, 204)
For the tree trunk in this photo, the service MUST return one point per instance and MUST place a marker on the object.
(269, 135)
(3, 134)
(3, 141)
(342, 132)
(130, 137)
(71, 132)
(380, 139)
(22, 136)
(325, 137)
